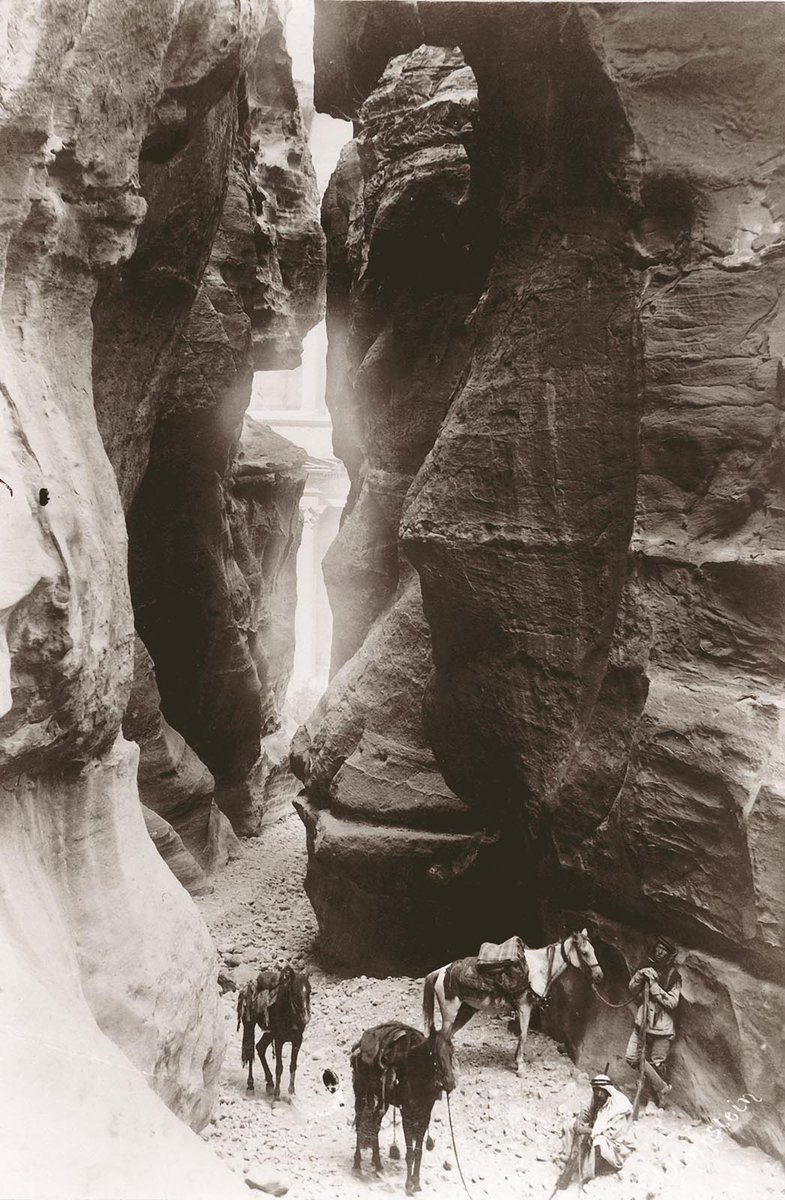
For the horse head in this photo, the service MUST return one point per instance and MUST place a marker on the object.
(443, 1056)
(579, 952)
(296, 987)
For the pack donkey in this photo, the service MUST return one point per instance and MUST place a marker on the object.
(521, 980)
(279, 1002)
(393, 1064)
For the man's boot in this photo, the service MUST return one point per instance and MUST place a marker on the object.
(656, 1083)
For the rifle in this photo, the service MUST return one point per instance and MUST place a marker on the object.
(642, 1065)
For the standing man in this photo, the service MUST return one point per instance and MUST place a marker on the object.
(655, 1029)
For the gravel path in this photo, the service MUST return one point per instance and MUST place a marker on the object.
(507, 1129)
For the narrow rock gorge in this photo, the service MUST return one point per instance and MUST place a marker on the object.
(552, 256)
(555, 273)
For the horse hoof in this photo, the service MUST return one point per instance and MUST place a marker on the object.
(269, 1087)
(356, 1170)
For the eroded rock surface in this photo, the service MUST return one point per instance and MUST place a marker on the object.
(235, 184)
(115, 141)
(389, 838)
(598, 526)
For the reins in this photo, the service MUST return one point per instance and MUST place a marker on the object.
(455, 1148)
(600, 996)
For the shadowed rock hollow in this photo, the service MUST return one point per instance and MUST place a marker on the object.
(597, 525)
(226, 275)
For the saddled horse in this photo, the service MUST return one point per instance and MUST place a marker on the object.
(279, 1002)
(393, 1064)
(463, 988)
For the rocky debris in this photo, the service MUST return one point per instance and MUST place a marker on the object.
(401, 282)
(270, 1184)
(508, 1130)
(597, 528)
(226, 983)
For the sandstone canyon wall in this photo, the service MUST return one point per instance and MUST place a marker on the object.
(226, 276)
(139, 237)
(597, 527)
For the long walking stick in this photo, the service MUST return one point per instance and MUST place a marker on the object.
(571, 1166)
(642, 1066)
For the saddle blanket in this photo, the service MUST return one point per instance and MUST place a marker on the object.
(512, 950)
(384, 1044)
(469, 979)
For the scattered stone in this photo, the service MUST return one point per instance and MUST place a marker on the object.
(272, 1185)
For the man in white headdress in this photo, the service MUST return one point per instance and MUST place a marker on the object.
(603, 1129)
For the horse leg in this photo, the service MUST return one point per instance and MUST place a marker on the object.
(418, 1158)
(465, 1013)
(450, 1013)
(357, 1164)
(293, 1063)
(249, 1085)
(262, 1045)
(524, 1016)
(377, 1158)
(278, 1068)
(410, 1136)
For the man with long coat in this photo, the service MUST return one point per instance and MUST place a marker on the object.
(655, 1028)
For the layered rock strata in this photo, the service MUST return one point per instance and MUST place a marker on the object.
(598, 527)
(115, 120)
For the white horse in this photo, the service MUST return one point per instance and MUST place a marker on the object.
(544, 967)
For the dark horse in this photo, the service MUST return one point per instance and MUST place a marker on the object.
(279, 1002)
(395, 1064)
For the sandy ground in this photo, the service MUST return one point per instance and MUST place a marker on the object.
(507, 1130)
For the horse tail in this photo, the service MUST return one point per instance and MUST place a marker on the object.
(249, 1029)
(242, 1005)
(429, 992)
(245, 1016)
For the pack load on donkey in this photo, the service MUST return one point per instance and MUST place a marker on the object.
(393, 1064)
(279, 1003)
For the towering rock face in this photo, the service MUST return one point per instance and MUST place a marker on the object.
(598, 527)
(389, 838)
(233, 181)
(116, 140)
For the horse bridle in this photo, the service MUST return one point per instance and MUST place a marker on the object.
(585, 967)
